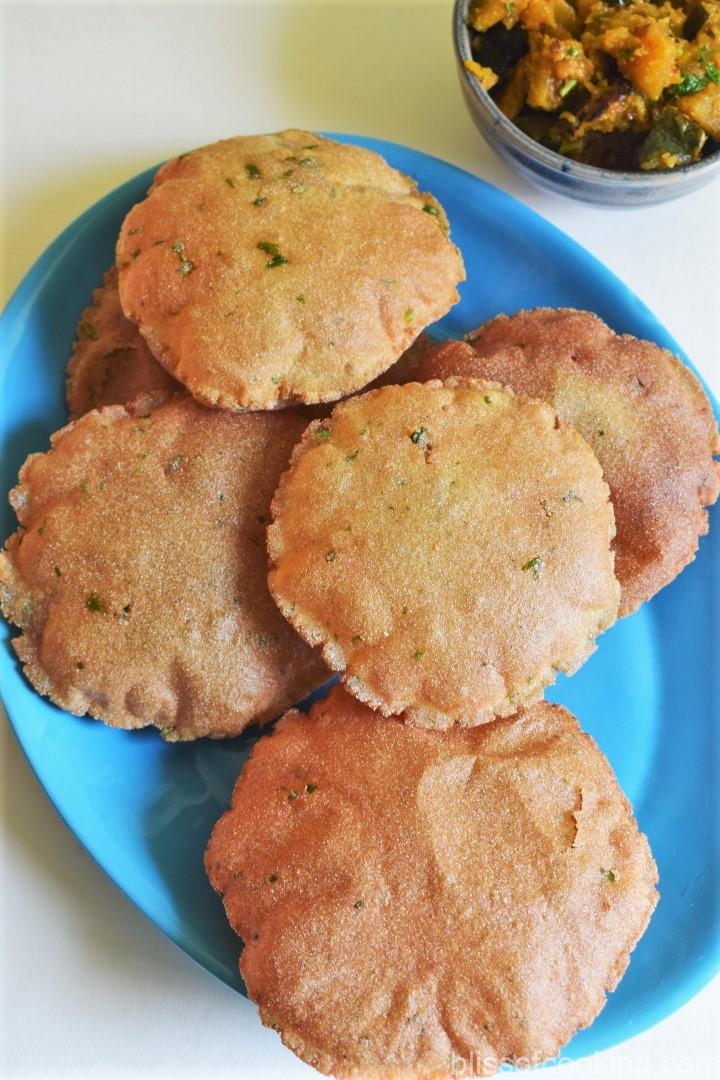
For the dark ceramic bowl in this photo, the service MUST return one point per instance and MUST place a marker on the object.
(545, 168)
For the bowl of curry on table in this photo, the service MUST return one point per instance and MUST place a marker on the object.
(615, 102)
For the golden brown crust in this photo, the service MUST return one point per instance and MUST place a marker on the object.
(274, 268)
(137, 575)
(448, 547)
(409, 899)
(110, 362)
(643, 412)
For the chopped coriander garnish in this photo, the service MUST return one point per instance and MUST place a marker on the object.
(330, 555)
(134, 254)
(409, 316)
(601, 433)
(276, 259)
(275, 379)
(88, 330)
(487, 399)
(293, 795)
(259, 200)
(418, 654)
(351, 457)
(229, 181)
(608, 875)
(534, 566)
(253, 171)
(300, 298)
(430, 209)
(322, 433)
(94, 603)
(310, 789)
(359, 905)
(297, 189)
(572, 51)
(355, 639)
(566, 87)
(185, 265)
(419, 436)
(570, 496)
(713, 72)
(690, 84)
(57, 571)
(271, 879)
(173, 464)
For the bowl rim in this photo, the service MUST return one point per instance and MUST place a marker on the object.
(542, 154)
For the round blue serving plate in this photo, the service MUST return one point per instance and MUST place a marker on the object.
(144, 809)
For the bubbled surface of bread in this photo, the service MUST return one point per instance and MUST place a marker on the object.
(425, 904)
(448, 547)
(274, 268)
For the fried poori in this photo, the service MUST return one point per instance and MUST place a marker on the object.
(275, 268)
(640, 408)
(448, 547)
(110, 362)
(138, 572)
(425, 904)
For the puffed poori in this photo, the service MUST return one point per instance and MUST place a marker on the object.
(273, 268)
(424, 904)
(448, 547)
(640, 408)
(137, 575)
(110, 362)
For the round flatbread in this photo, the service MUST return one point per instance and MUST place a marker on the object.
(110, 362)
(643, 412)
(448, 547)
(274, 268)
(138, 573)
(419, 904)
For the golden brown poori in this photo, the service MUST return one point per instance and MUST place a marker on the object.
(110, 362)
(423, 904)
(640, 408)
(269, 269)
(447, 546)
(137, 574)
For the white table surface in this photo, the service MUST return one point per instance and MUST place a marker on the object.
(92, 94)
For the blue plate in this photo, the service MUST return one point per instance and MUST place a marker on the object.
(649, 695)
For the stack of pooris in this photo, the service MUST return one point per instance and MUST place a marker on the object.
(138, 574)
(435, 871)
